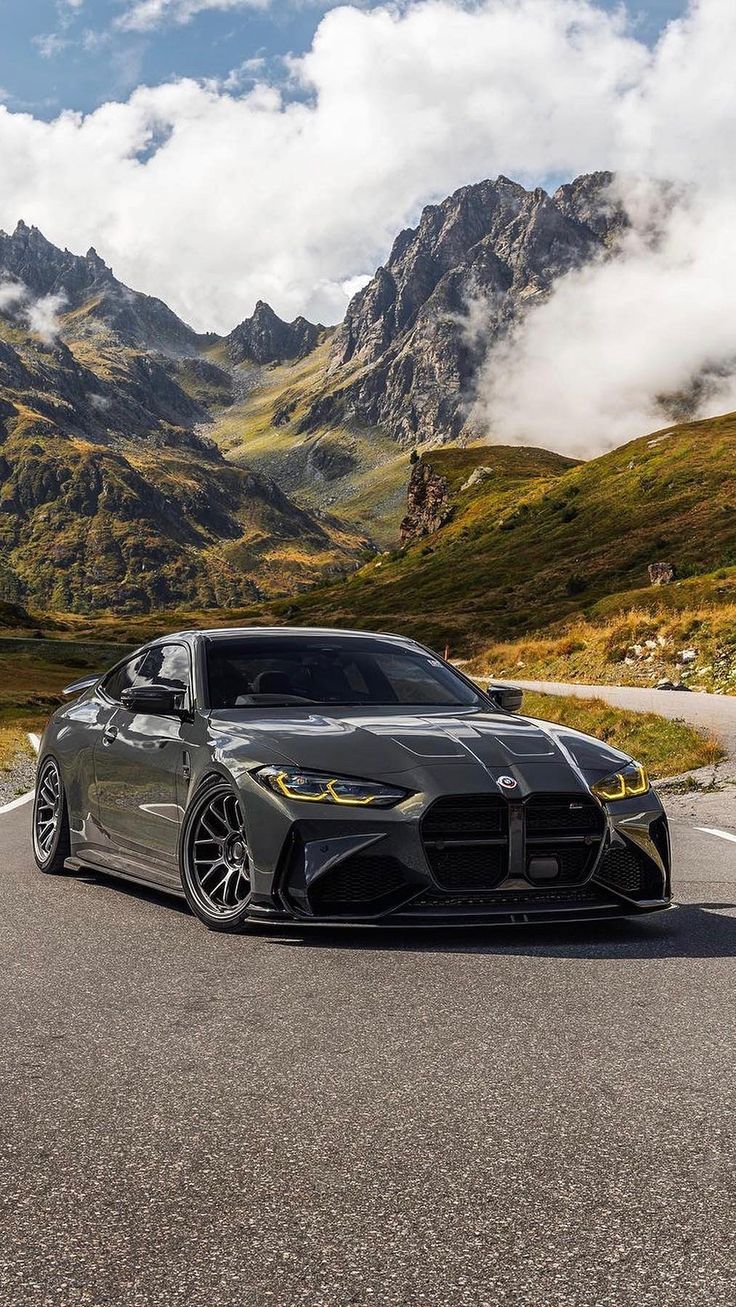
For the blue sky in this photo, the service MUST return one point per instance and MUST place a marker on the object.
(72, 54)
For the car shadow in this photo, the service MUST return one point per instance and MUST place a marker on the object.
(689, 930)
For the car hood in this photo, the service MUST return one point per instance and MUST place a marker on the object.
(378, 744)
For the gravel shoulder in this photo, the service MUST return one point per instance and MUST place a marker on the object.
(18, 778)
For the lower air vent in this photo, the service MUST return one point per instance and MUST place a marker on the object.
(361, 884)
(521, 900)
(468, 868)
(631, 873)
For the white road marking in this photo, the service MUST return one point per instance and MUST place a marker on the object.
(35, 741)
(723, 834)
(16, 803)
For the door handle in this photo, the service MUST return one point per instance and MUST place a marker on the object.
(109, 733)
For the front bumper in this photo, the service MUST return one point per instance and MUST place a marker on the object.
(469, 859)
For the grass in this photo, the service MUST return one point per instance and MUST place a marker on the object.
(666, 747)
(540, 541)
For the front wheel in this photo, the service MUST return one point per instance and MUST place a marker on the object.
(50, 827)
(215, 859)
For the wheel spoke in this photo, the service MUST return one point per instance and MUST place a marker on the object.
(48, 808)
(219, 859)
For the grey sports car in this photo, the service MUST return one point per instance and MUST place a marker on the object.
(321, 776)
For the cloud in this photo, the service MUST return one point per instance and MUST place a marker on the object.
(50, 44)
(40, 314)
(629, 343)
(144, 15)
(12, 293)
(43, 316)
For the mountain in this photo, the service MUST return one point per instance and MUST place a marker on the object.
(146, 465)
(111, 492)
(86, 288)
(406, 355)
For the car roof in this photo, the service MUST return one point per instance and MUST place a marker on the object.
(226, 632)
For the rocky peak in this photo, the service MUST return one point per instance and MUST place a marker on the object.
(86, 282)
(266, 338)
(414, 329)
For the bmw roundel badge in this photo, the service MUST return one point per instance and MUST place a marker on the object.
(507, 782)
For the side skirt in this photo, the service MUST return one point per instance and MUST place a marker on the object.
(138, 878)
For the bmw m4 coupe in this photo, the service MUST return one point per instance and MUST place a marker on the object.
(321, 776)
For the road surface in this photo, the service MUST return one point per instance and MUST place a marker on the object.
(533, 1118)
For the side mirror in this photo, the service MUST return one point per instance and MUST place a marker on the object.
(158, 700)
(507, 698)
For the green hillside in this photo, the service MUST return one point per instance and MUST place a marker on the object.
(526, 548)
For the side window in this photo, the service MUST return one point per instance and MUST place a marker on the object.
(167, 665)
(122, 679)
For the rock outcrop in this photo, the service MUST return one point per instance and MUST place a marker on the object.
(427, 503)
(661, 573)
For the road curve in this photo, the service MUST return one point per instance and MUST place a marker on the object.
(338, 1119)
(714, 712)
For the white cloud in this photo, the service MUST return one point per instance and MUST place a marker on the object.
(212, 198)
(39, 314)
(12, 293)
(50, 44)
(42, 316)
(144, 15)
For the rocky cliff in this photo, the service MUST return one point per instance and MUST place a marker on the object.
(406, 354)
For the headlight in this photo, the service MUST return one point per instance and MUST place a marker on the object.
(628, 783)
(318, 787)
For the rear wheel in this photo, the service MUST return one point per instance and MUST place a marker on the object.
(50, 828)
(215, 858)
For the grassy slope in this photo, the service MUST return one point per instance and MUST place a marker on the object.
(666, 747)
(522, 555)
(141, 511)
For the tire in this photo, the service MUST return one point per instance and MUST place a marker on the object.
(214, 858)
(50, 822)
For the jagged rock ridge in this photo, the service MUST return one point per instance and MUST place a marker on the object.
(413, 337)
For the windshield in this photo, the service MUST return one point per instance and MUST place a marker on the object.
(285, 670)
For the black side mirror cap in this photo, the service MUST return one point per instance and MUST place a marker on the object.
(507, 698)
(158, 700)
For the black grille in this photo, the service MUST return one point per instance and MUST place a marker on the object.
(363, 883)
(567, 829)
(466, 816)
(568, 815)
(574, 861)
(627, 870)
(470, 868)
(466, 841)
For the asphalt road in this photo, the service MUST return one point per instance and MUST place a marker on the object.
(534, 1118)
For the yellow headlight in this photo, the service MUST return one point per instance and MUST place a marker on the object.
(629, 783)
